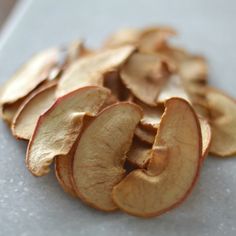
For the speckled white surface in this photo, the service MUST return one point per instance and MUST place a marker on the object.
(38, 206)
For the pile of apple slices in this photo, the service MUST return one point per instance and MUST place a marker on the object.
(127, 126)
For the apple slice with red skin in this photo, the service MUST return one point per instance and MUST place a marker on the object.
(59, 127)
(101, 153)
(173, 169)
(91, 69)
(38, 102)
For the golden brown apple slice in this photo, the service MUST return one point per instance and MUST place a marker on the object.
(29, 76)
(58, 128)
(101, 152)
(63, 170)
(145, 75)
(91, 69)
(38, 102)
(223, 123)
(172, 170)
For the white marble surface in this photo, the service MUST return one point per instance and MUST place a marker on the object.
(38, 206)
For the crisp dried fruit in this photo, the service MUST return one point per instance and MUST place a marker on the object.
(63, 165)
(58, 128)
(101, 152)
(37, 103)
(145, 75)
(206, 136)
(147, 40)
(91, 69)
(29, 76)
(174, 87)
(223, 123)
(172, 170)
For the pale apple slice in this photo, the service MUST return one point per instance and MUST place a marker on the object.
(58, 128)
(223, 123)
(91, 69)
(145, 75)
(145, 134)
(37, 103)
(29, 76)
(174, 87)
(101, 152)
(63, 170)
(171, 172)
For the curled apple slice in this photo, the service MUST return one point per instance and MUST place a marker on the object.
(63, 166)
(101, 152)
(91, 69)
(58, 128)
(29, 76)
(172, 169)
(38, 102)
(223, 123)
(145, 75)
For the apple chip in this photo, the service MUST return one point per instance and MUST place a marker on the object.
(58, 128)
(145, 75)
(29, 76)
(172, 170)
(101, 152)
(223, 123)
(63, 166)
(91, 69)
(27, 116)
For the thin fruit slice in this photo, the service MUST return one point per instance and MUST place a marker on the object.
(206, 136)
(145, 75)
(172, 170)
(173, 88)
(63, 166)
(91, 69)
(58, 128)
(223, 123)
(25, 120)
(101, 152)
(29, 76)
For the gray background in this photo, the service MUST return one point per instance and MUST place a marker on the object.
(38, 206)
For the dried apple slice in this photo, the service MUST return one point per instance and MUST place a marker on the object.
(63, 166)
(25, 120)
(29, 76)
(58, 128)
(206, 136)
(91, 69)
(173, 88)
(223, 123)
(145, 75)
(101, 152)
(172, 170)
